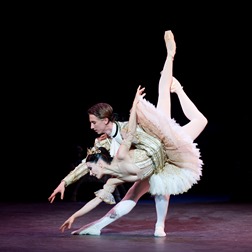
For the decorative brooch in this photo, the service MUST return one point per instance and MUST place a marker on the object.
(93, 150)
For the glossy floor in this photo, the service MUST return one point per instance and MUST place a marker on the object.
(192, 225)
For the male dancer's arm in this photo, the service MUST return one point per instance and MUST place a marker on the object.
(78, 172)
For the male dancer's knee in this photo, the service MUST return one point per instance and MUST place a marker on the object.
(121, 209)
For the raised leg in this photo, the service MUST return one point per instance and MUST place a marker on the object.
(197, 120)
(165, 80)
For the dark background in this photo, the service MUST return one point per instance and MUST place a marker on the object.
(61, 59)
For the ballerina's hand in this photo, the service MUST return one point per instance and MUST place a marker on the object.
(139, 94)
(67, 224)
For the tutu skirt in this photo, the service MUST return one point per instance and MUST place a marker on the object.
(182, 165)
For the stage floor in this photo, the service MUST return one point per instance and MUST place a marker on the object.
(192, 225)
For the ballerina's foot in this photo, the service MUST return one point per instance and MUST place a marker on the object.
(175, 86)
(159, 232)
(170, 43)
(91, 230)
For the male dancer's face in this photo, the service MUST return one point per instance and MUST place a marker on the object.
(100, 126)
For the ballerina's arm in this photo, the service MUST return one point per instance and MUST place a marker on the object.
(129, 136)
(109, 187)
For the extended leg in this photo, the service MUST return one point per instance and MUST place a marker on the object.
(94, 228)
(129, 201)
(165, 81)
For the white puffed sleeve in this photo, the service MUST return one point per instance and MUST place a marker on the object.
(106, 194)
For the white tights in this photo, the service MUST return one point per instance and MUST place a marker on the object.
(162, 203)
(121, 209)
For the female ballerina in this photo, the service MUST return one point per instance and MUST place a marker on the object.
(171, 165)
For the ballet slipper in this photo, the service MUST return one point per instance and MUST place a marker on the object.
(87, 230)
(170, 44)
(159, 232)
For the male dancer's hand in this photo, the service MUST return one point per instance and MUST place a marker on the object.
(102, 137)
(60, 189)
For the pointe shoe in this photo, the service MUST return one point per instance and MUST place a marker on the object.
(175, 86)
(170, 43)
(159, 232)
(92, 230)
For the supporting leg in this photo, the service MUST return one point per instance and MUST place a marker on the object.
(162, 203)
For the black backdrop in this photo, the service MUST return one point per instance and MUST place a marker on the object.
(61, 59)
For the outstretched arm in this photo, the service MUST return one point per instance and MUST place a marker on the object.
(132, 125)
(85, 209)
(73, 176)
(78, 172)
(102, 195)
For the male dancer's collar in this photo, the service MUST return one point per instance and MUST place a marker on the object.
(116, 130)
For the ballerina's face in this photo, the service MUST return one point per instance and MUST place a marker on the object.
(95, 169)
